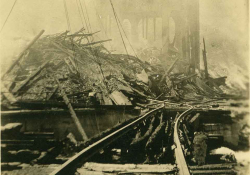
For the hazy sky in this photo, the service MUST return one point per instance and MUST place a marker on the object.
(29, 17)
(224, 25)
(219, 18)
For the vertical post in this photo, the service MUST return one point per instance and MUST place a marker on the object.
(194, 29)
(205, 59)
(72, 112)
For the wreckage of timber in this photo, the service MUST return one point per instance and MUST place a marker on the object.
(67, 99)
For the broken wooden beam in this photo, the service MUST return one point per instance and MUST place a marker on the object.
(186, 135)
(64, 33)
(125, 168)
(119, 98)
(19, 57)
(135, 90)
(50, 94)
(69, 66)
(72, 112)
(186, 78)
(169, 69)
(47, 156)
(83, 34)
(23, 155)
(62, 49)
(213, 172)
(33, 75)
(138, 138)
(205, 88)
(7, 94)
(11, 129)
(97, 42)
(68, 53)
(194, 118)
(10, 166)
(79, 31)
(155, 134)
(213, 166)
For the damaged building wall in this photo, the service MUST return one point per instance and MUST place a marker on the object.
(60, 124)
(147, 18)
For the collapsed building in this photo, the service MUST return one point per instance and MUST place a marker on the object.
(90, 75)
(71, 74)
(89, 71)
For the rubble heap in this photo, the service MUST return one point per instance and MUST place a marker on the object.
(90, 75)
(85, 69)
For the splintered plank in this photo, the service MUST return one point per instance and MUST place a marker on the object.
(213, 166)
(33, 75)
(119, 98)
(194, 118)
(62, 49)
(155, 134)
(68, 53)
(213, 172)
(82, 34)
(72, 112)
(138, 138)
(83, 171)
(11, 128)
(50, 95)
(169, 69)
(127, 168)
(97, 42)
(186, 78)
(205, 88)
(107, 100)
(8, 95)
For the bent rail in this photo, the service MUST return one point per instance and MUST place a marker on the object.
(179, 155)
(70, 166)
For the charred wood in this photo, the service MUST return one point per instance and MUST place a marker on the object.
(72, 112)
(138, 138)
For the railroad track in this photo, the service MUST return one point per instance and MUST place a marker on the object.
(70, 166)
(154, 143)
(180, 158)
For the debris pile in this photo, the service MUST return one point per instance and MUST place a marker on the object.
(90, 75)
(86, 70)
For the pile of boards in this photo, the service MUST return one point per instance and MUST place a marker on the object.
(86, 70)
(89, 75)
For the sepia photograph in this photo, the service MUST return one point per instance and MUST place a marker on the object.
(124, 87)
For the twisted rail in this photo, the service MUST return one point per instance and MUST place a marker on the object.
(70, 166)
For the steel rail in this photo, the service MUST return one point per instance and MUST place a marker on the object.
(179, 155)
(70, 166)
